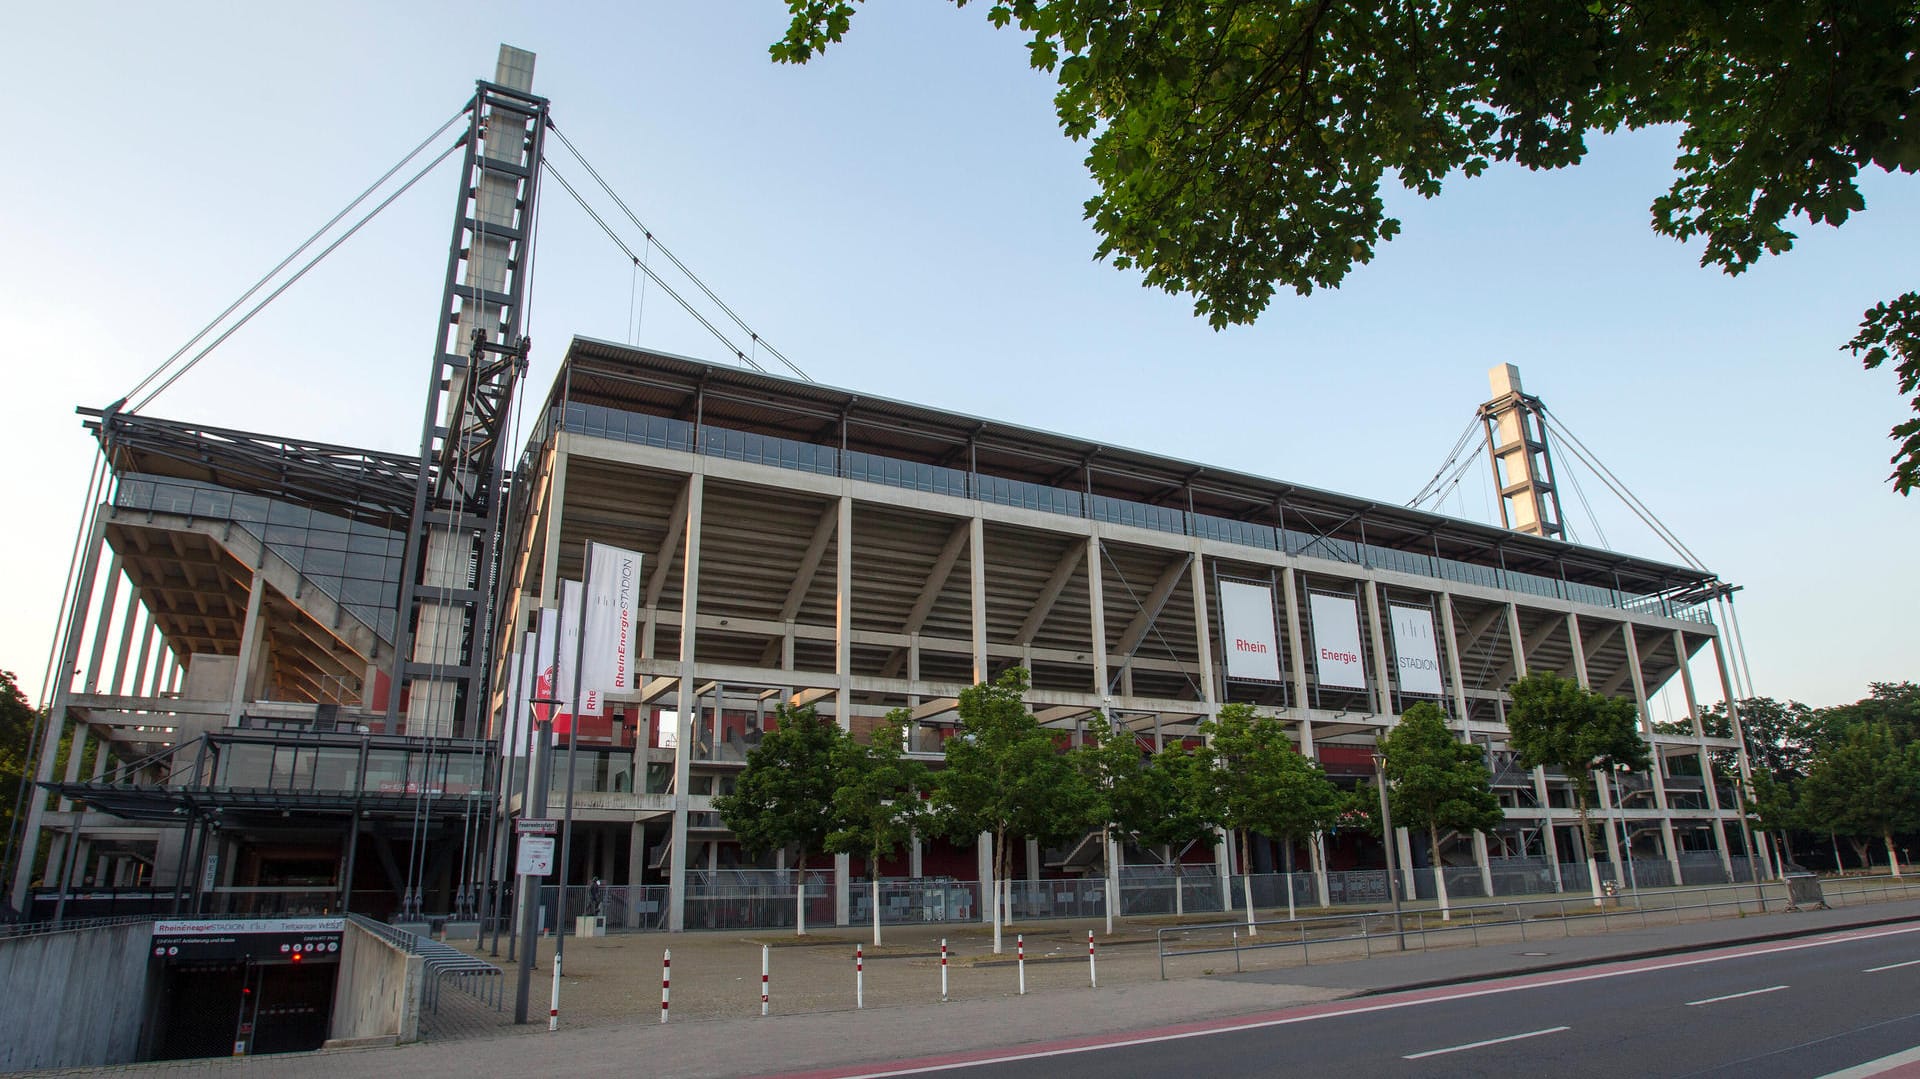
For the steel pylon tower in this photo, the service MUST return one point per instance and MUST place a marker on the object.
(1522, 461)
(446, 600)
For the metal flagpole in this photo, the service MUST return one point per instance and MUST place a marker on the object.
(573, 742)
(540, 765)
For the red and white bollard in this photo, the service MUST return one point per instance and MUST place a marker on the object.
(943, 970)
(859, 978)
(1093, 976)
(666, 979)
(1020, 953)
(553, 1005)
(763, 979)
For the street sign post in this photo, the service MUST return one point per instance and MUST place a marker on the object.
(536, 826)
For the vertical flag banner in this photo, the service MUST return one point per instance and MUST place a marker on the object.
(1336, 639)
(543, 665)
(1247, 632)
(508, 709)
(1414, 650)
(570, 606)
(612, 611)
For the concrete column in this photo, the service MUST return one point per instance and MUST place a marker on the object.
(1611, 807)
(127, 618)
(1659, 768)
(983, 851)
(1223, 852)
(250, 634)
(1296, 642)
(1033, 859)
(1706, 759)
(1409, 880)
(1539, 774)
(1577, 643)
(977, 589)
(636, 870)
(1485, 864)
(843, 672)
(1456, 684)
(686, 705)
(1382, 686)
(1097, 618)
(556, 506)
(140, 688)
(104, 626)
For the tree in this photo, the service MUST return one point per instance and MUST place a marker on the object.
(1262, 784)
(1896, 704)
(17, 721)
(1237, 148)
(1178, 809)
(1118, 781)
(1774, 806)
(1866, 787)
(1560, 725)
(1006, 777)
(876, 799)
(1435, 781)
(784, 796)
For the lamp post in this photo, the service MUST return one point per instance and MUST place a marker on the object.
(1386, 841)
(1626, 835)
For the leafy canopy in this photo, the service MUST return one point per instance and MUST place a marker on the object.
(1434, 780)
(784, 796)
(1006, 775)
(1868, 785)
(1241, 147)
(1260, 782)
(1556, 723)
(877, 793)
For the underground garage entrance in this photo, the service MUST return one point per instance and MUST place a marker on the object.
(242, 987)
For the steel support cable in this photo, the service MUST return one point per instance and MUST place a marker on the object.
(295, 253)
(1573, 477)
(1452, 456)
(289, 282)
(1620, 488)
(1446, 487)
(655, 277)
(37, 735)
(681, 266)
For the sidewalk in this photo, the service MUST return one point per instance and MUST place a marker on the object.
(609, 1023)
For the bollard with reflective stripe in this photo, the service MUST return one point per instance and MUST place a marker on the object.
(1020, 951)
(1093, 976)
(553, 1006)
(859, 978)
(943, 970)
(666, 979)
(763, 979)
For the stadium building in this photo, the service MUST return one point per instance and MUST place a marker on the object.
(288, 669)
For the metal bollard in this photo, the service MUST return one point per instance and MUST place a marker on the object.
(859, 978)
(943, 970)
(1020, 951)
(553, 1005)
(1093, 976)
(666, 979)
(763, 979)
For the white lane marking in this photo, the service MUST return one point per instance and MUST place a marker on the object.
(1892, 966)
(885, 1072)
(1877, 1067)
(1478, 1045)
(1735, 996)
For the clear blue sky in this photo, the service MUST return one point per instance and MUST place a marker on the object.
(901, 217)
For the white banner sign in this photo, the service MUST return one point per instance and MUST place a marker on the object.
(612, 607)
(535, 856)
(1336, 640)
(1247, 632)
(570, 604)
(1414, 650)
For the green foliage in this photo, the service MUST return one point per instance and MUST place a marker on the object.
(17, 720)
(1178, 792)
(1773, 805)
(1006, 776)
(1238, 148)
(1868, 785)
(784, 796)
(1260, 782)
(1556, 723)
(1117, 776)
(1896, 704)
(1434, 780)
(876, 796)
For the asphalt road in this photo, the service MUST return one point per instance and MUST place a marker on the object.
(1804, 1007)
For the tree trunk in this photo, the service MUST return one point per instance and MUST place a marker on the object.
(993, 886)
(1863, 850)
(1586, 841)
(1292, 914)
(800, 896)
(1246, 882)
(1439, 874)
(1893, 856)
(874, 884)
(1113, 876)
(1179, 898)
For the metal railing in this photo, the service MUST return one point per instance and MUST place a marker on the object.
(475, 976)
(1421, 924)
